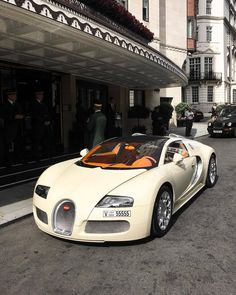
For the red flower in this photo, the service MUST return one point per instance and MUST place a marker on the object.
(119, 14)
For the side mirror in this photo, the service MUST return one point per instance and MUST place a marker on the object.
(84, 152)
(178, 159)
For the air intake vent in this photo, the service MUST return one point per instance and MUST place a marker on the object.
(106, 227)
(42, 215)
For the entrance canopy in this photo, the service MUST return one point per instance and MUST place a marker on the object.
(59, 36)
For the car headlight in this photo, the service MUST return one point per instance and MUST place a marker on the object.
(229, 124)
(42, 191)
(115, 202)
(209, 124)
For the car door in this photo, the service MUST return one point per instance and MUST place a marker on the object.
(183, 172)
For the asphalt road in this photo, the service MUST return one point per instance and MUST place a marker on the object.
(197, 256)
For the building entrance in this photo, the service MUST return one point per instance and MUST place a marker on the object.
(26, 81)
(86, 93)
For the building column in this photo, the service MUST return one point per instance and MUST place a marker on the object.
(68, 107)
(121, 97)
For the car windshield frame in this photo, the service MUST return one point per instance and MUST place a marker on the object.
(134, 152)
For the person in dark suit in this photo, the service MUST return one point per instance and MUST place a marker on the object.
(12, 115)
(157, 122)
(111, 118)
(1, 138)
(96, 125)
(40, 126)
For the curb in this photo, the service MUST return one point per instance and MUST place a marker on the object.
(14, 211)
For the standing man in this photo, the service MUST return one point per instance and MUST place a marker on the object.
(40, 125)
(96, 125)
(189, 115)
(12, 116)
(213, 110)
(157, 122)
(110, 113)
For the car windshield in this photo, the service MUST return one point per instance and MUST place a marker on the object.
(125, 153)
(233, 113)
(225, 111)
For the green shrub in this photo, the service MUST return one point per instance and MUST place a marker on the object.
(181, 107)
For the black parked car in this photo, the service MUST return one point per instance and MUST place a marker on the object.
(224, 123)
(198, 115)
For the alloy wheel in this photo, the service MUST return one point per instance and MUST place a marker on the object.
(164, 210)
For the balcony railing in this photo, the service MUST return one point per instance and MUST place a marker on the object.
(205, 76)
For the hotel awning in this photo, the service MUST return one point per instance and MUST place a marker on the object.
(56, 36)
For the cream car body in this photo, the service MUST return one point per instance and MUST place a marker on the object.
(85, 187)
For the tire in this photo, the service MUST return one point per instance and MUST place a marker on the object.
(211, 172)
(162, 212)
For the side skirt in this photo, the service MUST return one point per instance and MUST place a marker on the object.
(184, 200)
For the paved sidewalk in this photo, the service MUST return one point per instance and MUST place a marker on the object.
(16, 202)
(199, 129)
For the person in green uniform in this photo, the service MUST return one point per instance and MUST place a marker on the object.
(96, 125)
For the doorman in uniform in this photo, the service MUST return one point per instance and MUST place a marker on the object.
(12, 116)
(96, 125)
(40, 126)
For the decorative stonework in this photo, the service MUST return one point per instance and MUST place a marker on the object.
(63, 14)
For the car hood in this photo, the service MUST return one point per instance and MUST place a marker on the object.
(87, 186)
(225, 119)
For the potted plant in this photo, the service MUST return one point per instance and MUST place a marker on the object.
(138, 112)
(180, 109)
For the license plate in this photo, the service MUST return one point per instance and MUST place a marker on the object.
(217, 131)
(118, 213)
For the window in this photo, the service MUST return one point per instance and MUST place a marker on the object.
(197, 33)
(146, 10)
(190, 28)
(208, 67)
(136, 97)
(195, 68)
(197, 6)
(123, 3)
(195, 94)
(176, 147)
(210, 93)
(234, 96)
(208, 6)
(228, 37)
(209, 33)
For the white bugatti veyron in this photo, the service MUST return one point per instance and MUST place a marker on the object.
(123, 189)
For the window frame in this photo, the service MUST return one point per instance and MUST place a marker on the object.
(208, 6)
(134, 100)
(146, 10)
(195, 68)
(195, 94)
(208, 33)
(210, 94)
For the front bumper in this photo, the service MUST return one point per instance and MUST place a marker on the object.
(96, 227)
(221, 131)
